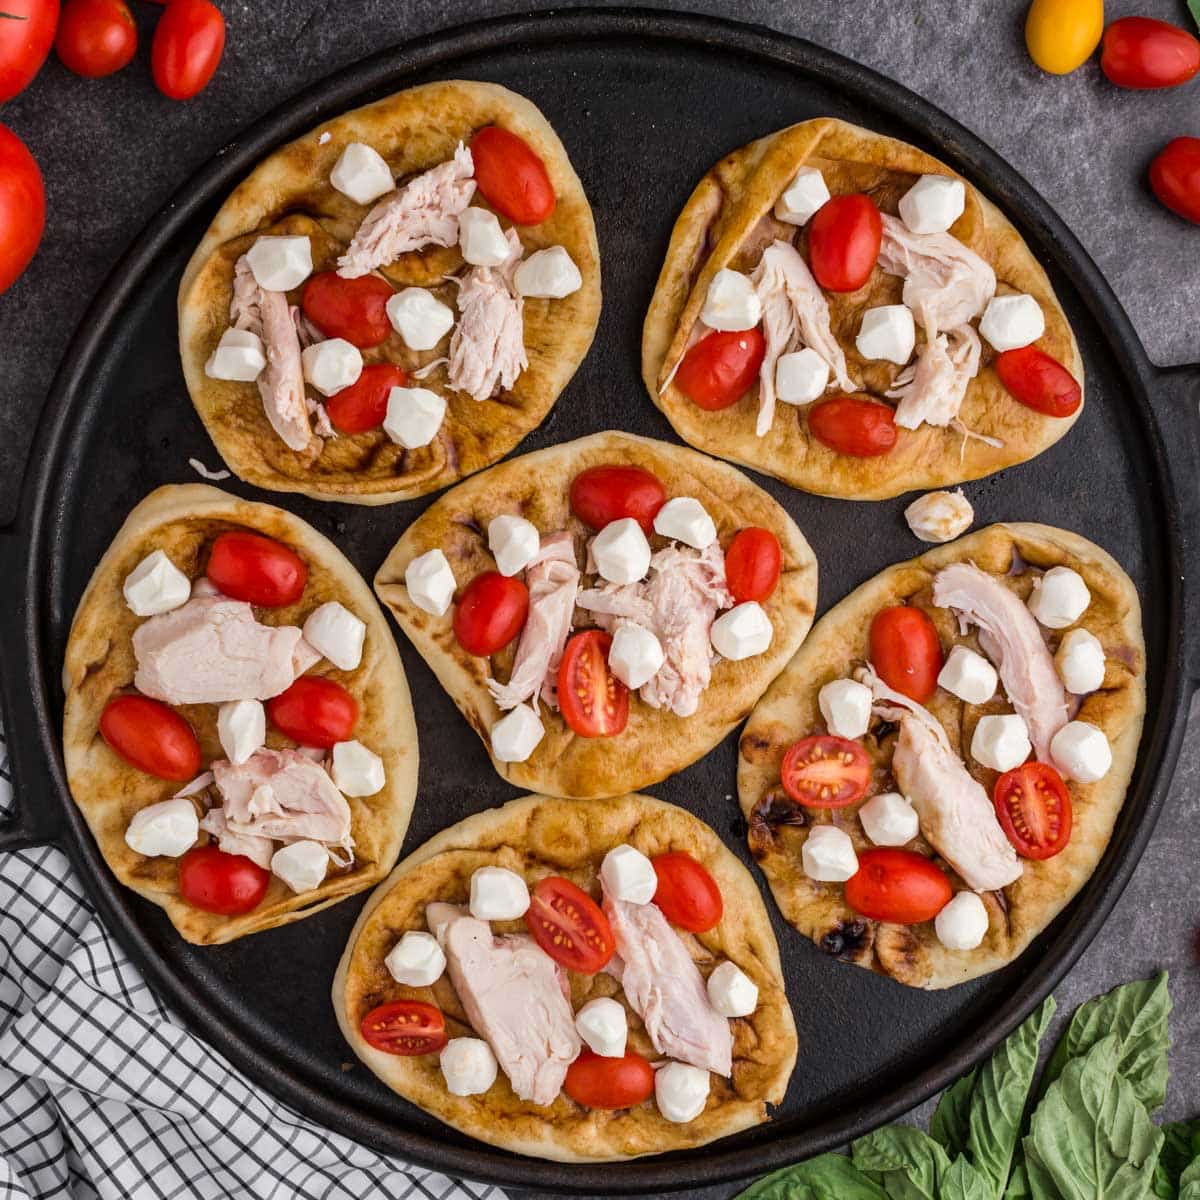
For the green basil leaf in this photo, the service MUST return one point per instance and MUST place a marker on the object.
(963, 1182)
(827, 1177)
(1136, 1015)
(1181, 1143)
(951, 1120)
(1091, 1132)
(1037, 1179)
(908, 1163)
(1018, 1182)
(1189, 1181)
(1194, 9)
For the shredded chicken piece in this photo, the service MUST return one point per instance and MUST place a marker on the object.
(931, 390)
(256, 849)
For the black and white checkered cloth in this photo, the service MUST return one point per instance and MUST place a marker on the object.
(104, 1093)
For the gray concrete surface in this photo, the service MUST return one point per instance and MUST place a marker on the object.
(113, 151)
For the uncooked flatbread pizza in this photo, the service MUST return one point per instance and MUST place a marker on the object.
(604, 612)
(939, 769)
(394, 300)
(843, 311)
(238, 730)
(580, 980)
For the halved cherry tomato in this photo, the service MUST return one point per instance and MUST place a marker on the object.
(603, 494)
(599, 1082)
(851, 425)
(687, 894)
(96, 37)
(899, 886)
(22, 205)
(1175, 177)
(1140, 52)
(187, 47)
(594, 702)
(1038, 381)
(906, 652)
(407, 1027)
(26, 35)
(150, 736)
(363, 404)
(569, 925)
(721, 367)
(354, 309)
(216, 882)
(825, 772)
(511, 177)
(314, 712)
(752, 564)
(490, 613)
(844, 237)
(260, 570)
(1034, 807)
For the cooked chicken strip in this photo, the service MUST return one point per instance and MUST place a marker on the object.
(257, 849)
(931, 390)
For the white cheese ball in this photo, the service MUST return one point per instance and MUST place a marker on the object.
(887, 333)
(933, 204)
(414, 415)
(468, 1066)
(337, 634)
(940, 516)
(680, 1091)
(419, 317)
(156, 585)
(604, 1027)
(416, 960)
(514, 543)
(549, 274)
(168, 828)
(332, 365)
(742, 632)
(430, 582)
(731, 304)
(968, 675)
(239, 357)
(635, 655)
(1010, 322)
(627, 874)
(1081, 752)
(481, 238)
(1080, 662)
(801, 377)
(828, 855)
(279, 264)
(889, 820)
(963, 923)
(1001, 742)
(846, 707)
(516, 735)
(686, 520)
(301, 865)
(621, 552)
(1059, 598)
(241, 728)
(731, 991)
(498, 894)
(356, 771)
(802, 198)
(362, 173)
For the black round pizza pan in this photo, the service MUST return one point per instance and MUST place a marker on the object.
(645, 101)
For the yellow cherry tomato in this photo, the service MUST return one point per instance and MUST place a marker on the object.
(1061, 34)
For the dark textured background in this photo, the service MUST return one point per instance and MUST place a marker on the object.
(113, 152)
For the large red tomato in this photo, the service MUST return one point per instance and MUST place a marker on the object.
(844, 237)
(596, 1081)
(687, 894)
(1140, 52)
(22, 206)
(490, 613)
(26, 35)
(216, 882)
(899, 886)
(721, 367)
(150, 736)
(511, 176)
(906, 652)
(354, 309)
(1038, 381)
(260, 570)
(752, 564)
(314, 712)
(854, 426)
(96, 37)
(603, 494)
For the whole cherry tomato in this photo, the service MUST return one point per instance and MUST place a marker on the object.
(1175, 177)
(825, 771)
(260, 570)
(906, 652)
(187, 47)
(26, 35)
(405, 1027)
(721, 367)
(569, 925)
(314, 712)
(354, 309)
(149, 735)
(490, 613)
(603, 494)
(752, 564)
(511, 177)
(597, 1081)
(687, 894)
(898, 886)
(1061, 34)
(1034, 808)
(1038, 381)
(217, 882)
(22, 206)
(844, 237)
(95, 37)
(851, 425)
(1140, 52)
(594, 702)
(363, 405)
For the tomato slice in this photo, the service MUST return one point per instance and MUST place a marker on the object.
(490, 613)
(95, 37)
(363, 405)
(1034, 808)
(1175, 177)
(216, 882)
(753, 564)
(511, 176)
(825, 772)
(314, 712)
(152, 737)
(248, 566)
(844, 237)
(594, 702)
(354, 309)
(599, 1082)
(405, 1027)
(906, 652)
(569, 925)
(600, 495)
(851, 425)
(687, 894)
(1140, 52)
(22, 197)
(189, 40)
(1038, 381)
(721, 367)
(899, 886)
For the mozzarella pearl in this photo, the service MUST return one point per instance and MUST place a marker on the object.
(968, 675)
(635, 655)
(801, 377)
(846, 707)
(680, 1091)
(1010, 322)
(888, 333)
(301, 865)
(547, 275)
(731, 991)
(889, 820)
(468, 1066)
(430, 582)
(1001, 742)
(621, 552)
(239, 356)
(828, 855)
(1059, 598)
(939, 516)
(517, 734)
(604, 1027)
(334, 631)
(514, 543)
(627, 874)
(168, 828)
(279, 264)
(802, 197)
(686, 520)
(414, 415)
(242, 729)
(742, 632)
(1081, 752)
(419, 317)
(156, 585)
(731, 303)
(963, 923)
(362, 173)
(933, 204)
(498, 894)
(481, 238)
(356, 771)
(331, 365)
(1080, 662)
(416, 960)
